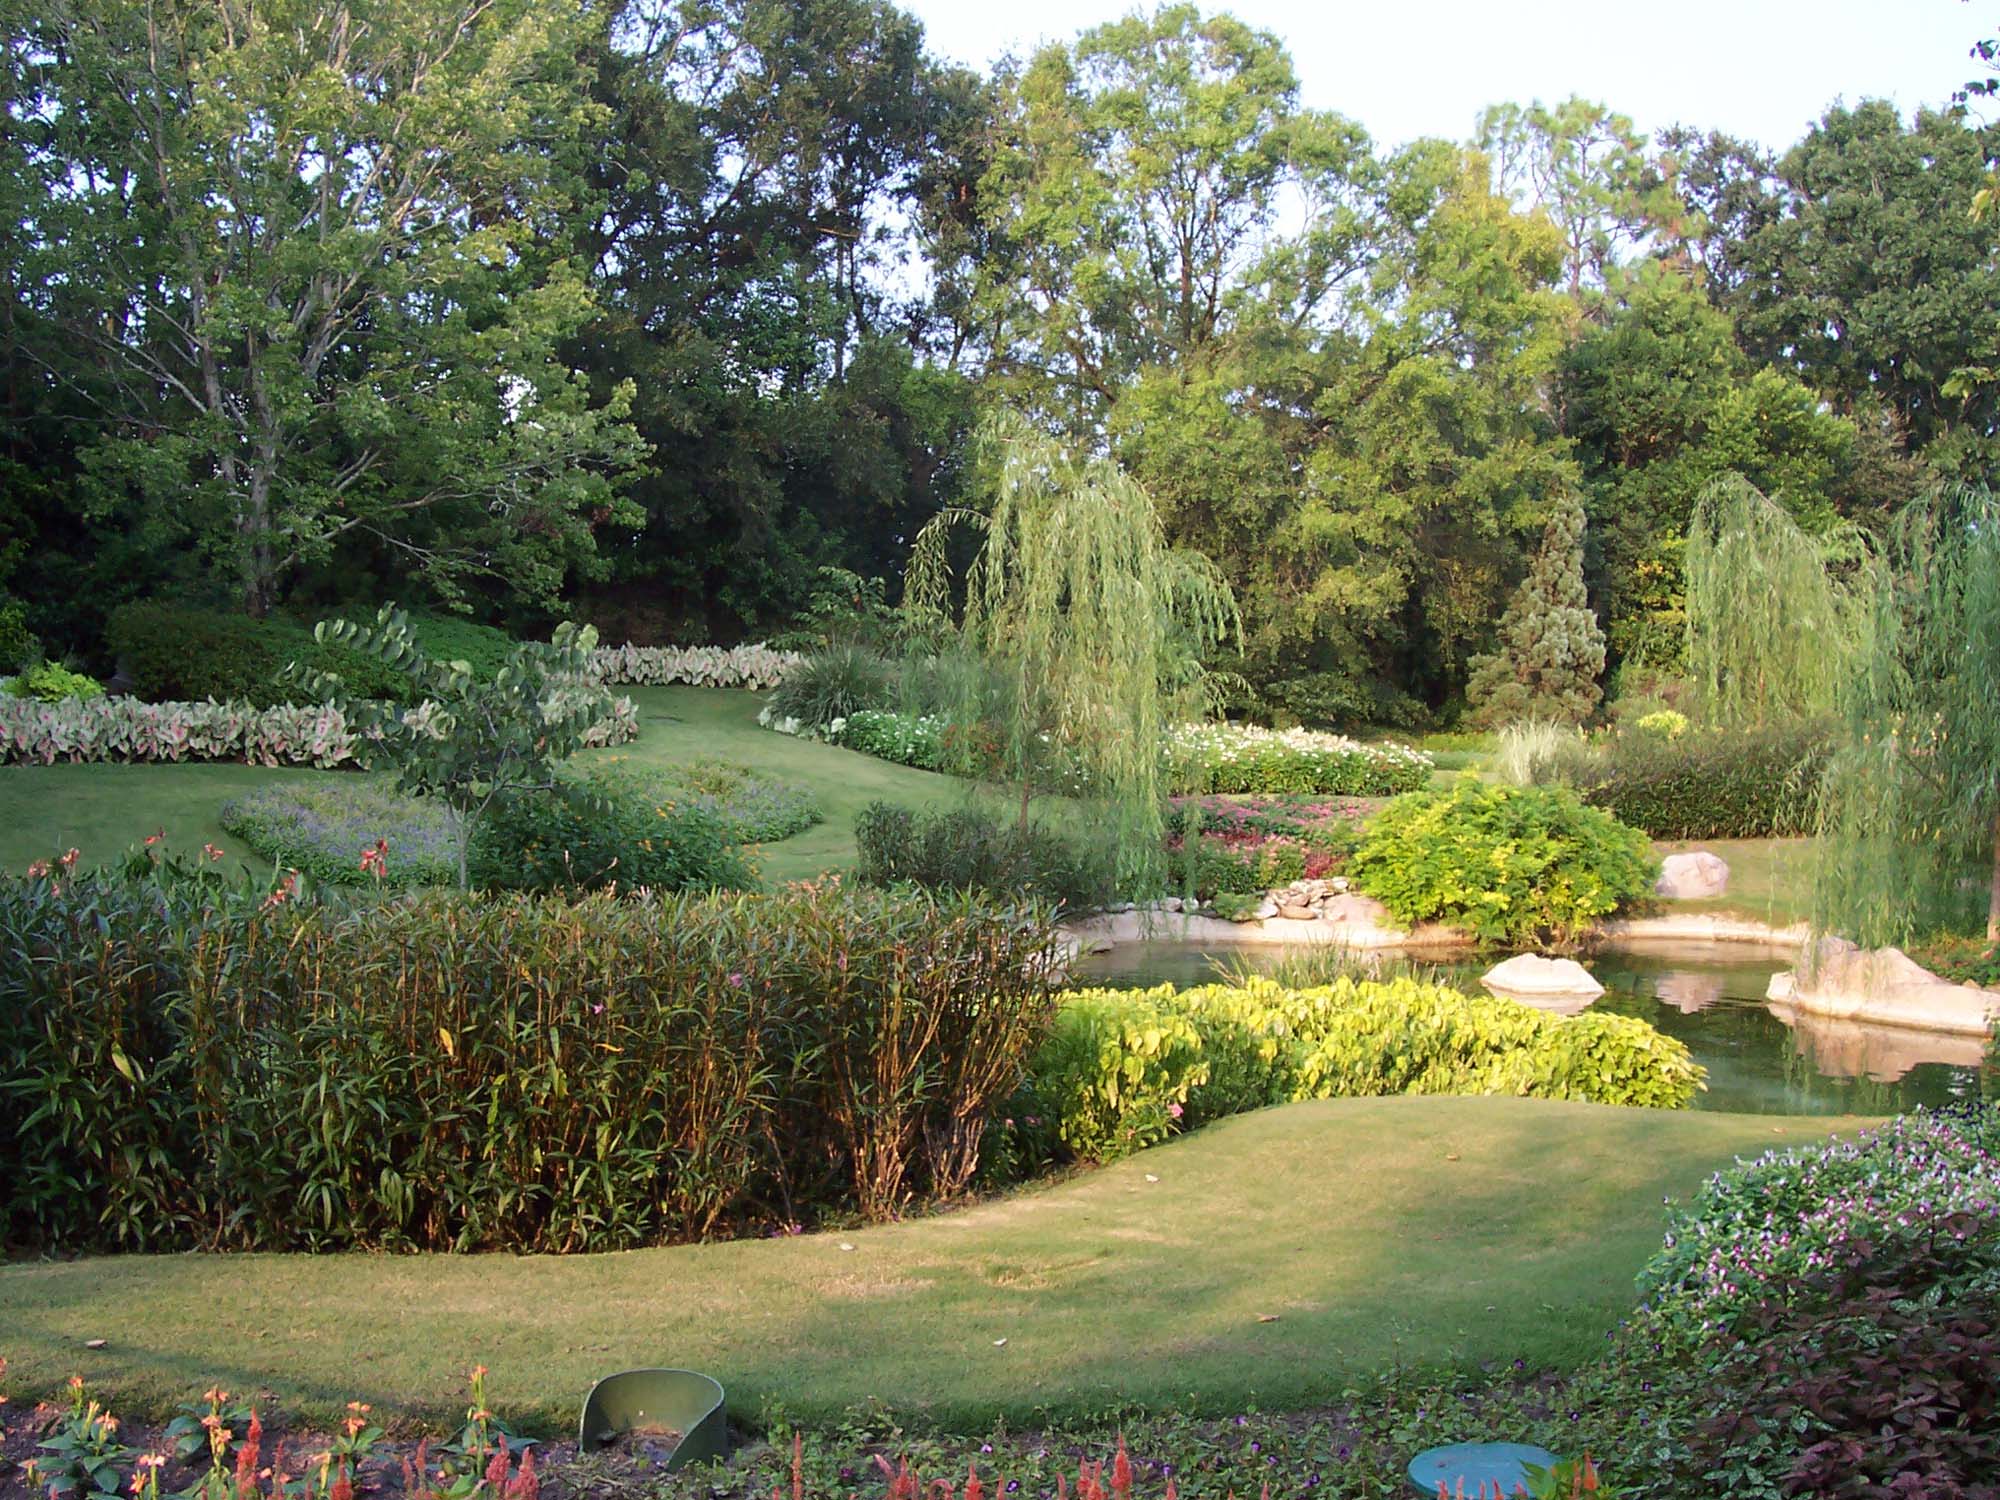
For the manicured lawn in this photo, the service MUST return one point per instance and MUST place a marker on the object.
(1770, 880)
(1266, 1260)
(105, 809)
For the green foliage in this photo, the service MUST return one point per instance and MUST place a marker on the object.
(471, 742)
(754, 808)
(1753, 783)
(1778, 621)
(459, 1073)
(174, 654)
(1242, 759)
(1534, 753)
(605, 827)
(50, 682)
(1086, 622)
(1909, 825)
(1122, 1069)
(907, 739)
(1506, 864)
(1667, 723)
(1551, 652)
(18, 646)
(332, 831)
(453, 638)
(834, 682)
(966, 849)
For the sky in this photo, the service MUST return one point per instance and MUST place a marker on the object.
(1761, 69)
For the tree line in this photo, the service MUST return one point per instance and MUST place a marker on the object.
(645, 310)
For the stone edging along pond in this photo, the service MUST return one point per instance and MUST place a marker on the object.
(1883, 987)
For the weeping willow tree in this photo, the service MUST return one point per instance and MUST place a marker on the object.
(1909, 819)
(1777, 618)
(1084, 629)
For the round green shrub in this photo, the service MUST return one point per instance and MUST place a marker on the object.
(1507, 864)
(50, 682)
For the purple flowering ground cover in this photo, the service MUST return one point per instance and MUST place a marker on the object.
(323, 828)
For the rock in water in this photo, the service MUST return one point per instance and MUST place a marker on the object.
(1527, 974)
(1695, 876)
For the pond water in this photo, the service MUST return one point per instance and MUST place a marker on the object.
(1712, 998)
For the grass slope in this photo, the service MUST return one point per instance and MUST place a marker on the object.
(1375, 1233)
(105, 809)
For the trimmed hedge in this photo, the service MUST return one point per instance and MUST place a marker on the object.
(173, 654)
(1122, 1069)
(443, 1072)
(1711, 783)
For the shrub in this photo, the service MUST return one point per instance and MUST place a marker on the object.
(452, 1072)
(906, 739)
(1507, 864)
(757, 667)
(48, 682)
(1124, 1068)
(1712, 783)
(831, 684)
(454, 638)
(176, 654)
(323, 828)
(967, 849)
(605, 826)
(1239, 758)
(125, 729)
(18, 645)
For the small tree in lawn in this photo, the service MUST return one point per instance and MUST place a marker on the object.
(1083, 630)
(1551, 649)
(467, 742)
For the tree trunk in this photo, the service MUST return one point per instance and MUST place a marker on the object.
(254, 524)
(1993, 900)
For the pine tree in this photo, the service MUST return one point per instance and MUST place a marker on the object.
(1551, 649)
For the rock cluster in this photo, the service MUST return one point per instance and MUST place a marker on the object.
(1303, 900)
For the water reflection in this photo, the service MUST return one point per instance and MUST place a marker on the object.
(1761, 1058)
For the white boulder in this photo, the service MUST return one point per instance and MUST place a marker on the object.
(1695, 876)
(1529, 975)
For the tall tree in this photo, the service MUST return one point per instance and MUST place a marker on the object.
(312, 259)
(1551, 652)
(1588, 169)
(1871, 279)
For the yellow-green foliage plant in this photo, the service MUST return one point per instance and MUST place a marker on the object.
(1123, 1069)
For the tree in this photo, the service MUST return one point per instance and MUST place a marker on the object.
(1588, 170)
(1909, 821)
(1778, 620)
(310, 262)
(1087, 623)
(472, 743)
(1551, 651)
(1872, 282)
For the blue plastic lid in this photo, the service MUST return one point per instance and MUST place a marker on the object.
(1479, 1465)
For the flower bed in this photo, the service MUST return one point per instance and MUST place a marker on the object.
(756, 666)
(124, 729)
(348, 832)
(1249, 845)
(1242, 758)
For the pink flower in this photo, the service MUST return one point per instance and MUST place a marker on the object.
(1175, 1111)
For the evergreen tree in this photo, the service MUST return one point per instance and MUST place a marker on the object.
(1551, 649)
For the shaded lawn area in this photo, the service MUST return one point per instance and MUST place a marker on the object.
(103, 810)
(1373, 1233)
(1770, 880)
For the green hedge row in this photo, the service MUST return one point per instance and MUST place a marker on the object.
(1711, 784)
(436, 1072)
(1124, 1069)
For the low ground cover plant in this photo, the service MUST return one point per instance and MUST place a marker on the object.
(440, 1071)
(349, 831)
(1506, 864)
(1123, 1069)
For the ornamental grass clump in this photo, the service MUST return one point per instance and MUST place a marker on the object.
(450, 1072)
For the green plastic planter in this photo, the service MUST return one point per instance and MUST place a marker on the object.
(684, 1401)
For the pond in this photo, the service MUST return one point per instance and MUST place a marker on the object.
(1712, 998)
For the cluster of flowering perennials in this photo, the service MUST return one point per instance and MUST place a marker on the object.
(1242, 758)
(1753, 1231)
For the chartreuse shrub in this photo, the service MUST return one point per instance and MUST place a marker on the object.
(453, 1072)
(1121, 1067)
(51, 682)
(1505, 863)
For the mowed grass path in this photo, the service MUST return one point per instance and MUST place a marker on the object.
(1373, 1234)
(103, 810)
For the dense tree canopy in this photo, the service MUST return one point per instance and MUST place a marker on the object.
(646, 311)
